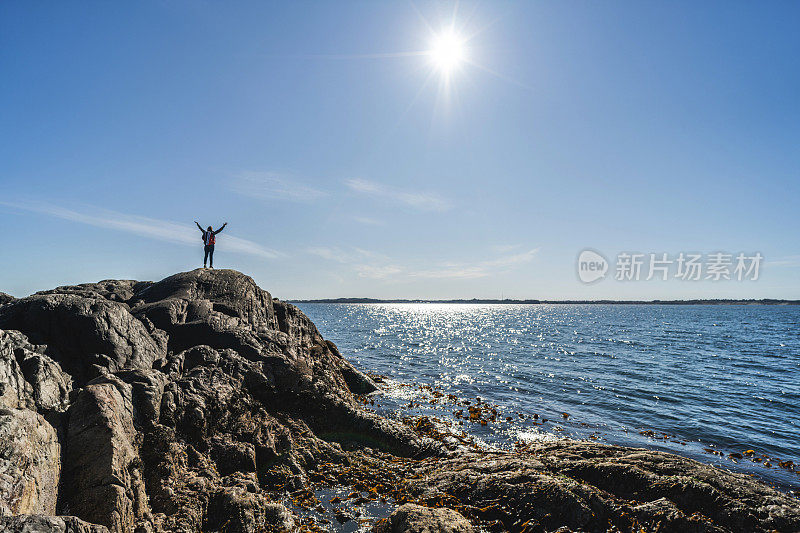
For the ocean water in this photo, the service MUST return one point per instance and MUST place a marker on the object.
(722, 378)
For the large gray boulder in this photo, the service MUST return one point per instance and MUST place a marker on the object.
(30, 463)
(87, 336)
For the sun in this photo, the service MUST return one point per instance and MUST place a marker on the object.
(447, 51)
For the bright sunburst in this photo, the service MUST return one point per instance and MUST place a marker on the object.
(448, 51)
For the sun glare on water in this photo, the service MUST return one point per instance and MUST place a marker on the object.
(447, 51)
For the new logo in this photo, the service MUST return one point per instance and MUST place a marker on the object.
(591, 266)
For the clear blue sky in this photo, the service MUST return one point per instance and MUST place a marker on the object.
(346, 165)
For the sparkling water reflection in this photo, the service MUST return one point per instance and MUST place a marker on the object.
(711, 375)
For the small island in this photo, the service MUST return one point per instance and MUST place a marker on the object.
(763, 301)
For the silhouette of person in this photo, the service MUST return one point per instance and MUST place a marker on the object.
(209, 238)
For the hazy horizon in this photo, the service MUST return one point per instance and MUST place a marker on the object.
(400, 150)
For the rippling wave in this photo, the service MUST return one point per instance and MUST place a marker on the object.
(720, 376)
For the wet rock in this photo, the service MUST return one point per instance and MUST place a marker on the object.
(357, 381)
(238, 511)
(29, 463)
(343, 515)
(589, 486)
(277, 516)
(662, 514)
(411, 518)
(47, 524)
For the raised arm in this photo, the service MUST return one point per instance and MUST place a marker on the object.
(200, 227)
(220, 229)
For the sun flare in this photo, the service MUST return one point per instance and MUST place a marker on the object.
(447, 51)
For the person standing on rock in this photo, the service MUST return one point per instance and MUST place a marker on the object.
(209, 238)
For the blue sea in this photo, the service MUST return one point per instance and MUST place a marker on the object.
(684, 379)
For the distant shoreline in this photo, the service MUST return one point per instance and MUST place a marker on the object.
(765, 301)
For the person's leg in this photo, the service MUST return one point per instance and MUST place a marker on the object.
(211, 256)
(205, 257)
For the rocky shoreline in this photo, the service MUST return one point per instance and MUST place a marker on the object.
(201, 403)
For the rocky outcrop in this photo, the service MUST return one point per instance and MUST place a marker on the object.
(87, 335)
(201, 403)
(180, 404)
(594, 487)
